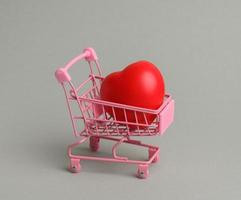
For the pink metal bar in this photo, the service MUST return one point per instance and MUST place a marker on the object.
(76, 59)
(70, 111)
(118, 105)
(115, 147)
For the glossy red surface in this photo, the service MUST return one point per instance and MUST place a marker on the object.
(139, 84)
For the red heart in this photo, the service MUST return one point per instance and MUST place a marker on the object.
(140, 84)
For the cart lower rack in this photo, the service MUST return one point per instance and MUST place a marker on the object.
(99, 125)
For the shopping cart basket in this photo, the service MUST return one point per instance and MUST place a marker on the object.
(98, 124)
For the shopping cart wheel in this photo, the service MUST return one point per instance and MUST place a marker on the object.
(94, 143)
(151, 152)
(142, 171)
(74, 166)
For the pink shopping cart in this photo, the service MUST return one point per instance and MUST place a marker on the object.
(98, 124)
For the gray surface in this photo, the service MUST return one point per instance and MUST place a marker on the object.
(197, 45)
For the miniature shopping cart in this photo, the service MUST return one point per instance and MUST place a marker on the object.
(98, 124)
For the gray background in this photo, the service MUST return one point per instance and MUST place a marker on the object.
(197, 46)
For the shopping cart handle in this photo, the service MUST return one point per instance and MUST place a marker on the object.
(62, 74)
(89, 55)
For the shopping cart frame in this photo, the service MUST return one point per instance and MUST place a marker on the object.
(100, 125)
